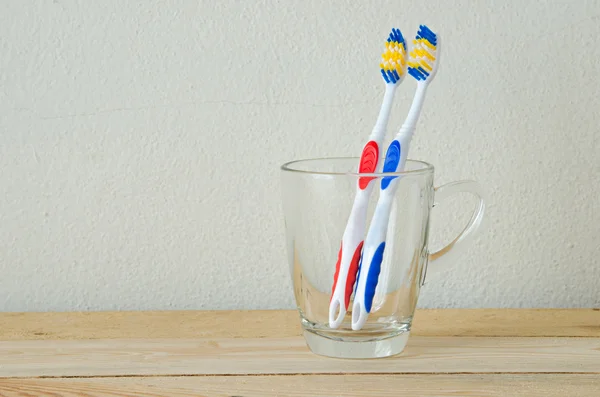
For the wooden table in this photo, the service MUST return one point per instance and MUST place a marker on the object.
(261, 353)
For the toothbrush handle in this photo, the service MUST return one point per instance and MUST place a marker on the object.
(349, 256)
(384, 113)
(395, 160)
(415, 110)
(370, 265)
(352, 240)
(374, 246)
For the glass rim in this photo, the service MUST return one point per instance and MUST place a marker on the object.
(288, 167)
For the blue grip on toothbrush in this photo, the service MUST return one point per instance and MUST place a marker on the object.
(373, 276)
(392, 159)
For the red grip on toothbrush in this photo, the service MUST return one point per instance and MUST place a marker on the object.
(368, 163)
(337, 271)
(352, 272)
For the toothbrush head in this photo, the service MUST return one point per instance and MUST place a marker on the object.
(394, 58)
(425, 56)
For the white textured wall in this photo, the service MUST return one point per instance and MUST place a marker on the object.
(140, 143)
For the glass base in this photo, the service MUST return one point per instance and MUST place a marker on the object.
(324, 346)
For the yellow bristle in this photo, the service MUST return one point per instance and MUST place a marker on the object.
(428, 44)
(394, 58)
(422, 53)
(425, 65)
(424, 42)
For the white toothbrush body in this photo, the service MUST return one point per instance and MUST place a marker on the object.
(393, 71)
(374, 246)
(352, 240)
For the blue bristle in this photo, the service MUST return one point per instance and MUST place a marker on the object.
(432, 40)
(391, 76)
(426, 33)
(423, 71)
(400, 37)
(396, 75)
(384, 76)
(416, 74)
(396, 35)
(425, 28)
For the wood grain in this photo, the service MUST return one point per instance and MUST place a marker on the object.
(285, 323)
(290, 356)
(481, 352)
(317, 385)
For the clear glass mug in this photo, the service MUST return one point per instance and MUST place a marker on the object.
(317, 198)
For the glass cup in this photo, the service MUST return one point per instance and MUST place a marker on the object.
(317, 198)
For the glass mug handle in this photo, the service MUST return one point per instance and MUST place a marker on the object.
(454, 249)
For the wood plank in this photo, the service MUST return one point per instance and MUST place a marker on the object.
(530, 385)
(153, 324)
(291, 356)
(508, 322)
(284, 323)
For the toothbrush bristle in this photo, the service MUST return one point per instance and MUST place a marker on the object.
(393, 60)
(423, 56)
